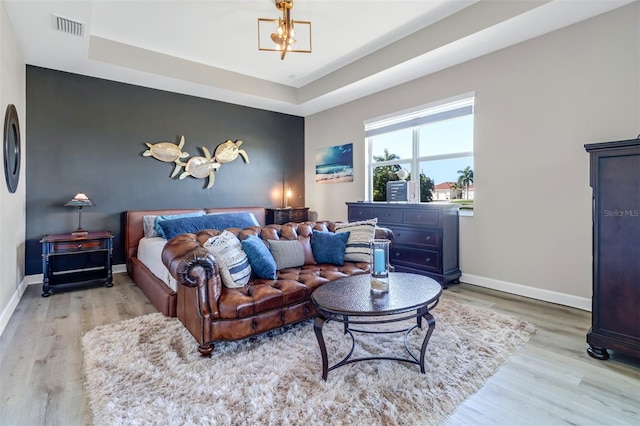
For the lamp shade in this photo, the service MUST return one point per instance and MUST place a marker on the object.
(80, 200)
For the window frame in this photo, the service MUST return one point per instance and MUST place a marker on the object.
(414, 118)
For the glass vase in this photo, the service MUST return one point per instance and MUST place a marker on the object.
(380, 266)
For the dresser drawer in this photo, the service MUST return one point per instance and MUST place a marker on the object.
(423, 259)
(421, 217)
(280, 216)
(79, 246)
(385, 215)
(286, 215)
(427, 238)
(299, 215)
(361, 213)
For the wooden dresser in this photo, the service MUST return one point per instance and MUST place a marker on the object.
(426, 236)
(280, 216)
(615, 182)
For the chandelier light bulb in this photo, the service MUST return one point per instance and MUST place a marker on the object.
(283, 36)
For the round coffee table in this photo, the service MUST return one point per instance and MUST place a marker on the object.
(341, 300)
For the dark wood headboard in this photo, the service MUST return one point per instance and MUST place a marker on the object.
(134, 229)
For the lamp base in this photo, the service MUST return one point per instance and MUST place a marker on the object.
(79, 233)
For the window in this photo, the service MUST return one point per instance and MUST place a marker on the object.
(433, 143)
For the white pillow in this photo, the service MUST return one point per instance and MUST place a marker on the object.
(232, 261)
(358, 245)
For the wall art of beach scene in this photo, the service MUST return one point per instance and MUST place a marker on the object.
(334, 164)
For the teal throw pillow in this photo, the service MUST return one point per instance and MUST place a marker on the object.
(329, 247)
(260, 259)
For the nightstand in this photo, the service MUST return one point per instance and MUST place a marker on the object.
(69, 260)
(280, 216)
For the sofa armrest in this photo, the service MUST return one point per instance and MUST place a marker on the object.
(191, 265)
(384, 233)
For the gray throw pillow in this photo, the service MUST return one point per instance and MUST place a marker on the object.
(287, 253)
(148, 224)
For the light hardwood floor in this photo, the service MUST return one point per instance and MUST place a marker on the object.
(551, 381)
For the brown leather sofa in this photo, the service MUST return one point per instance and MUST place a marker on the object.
(213, 312)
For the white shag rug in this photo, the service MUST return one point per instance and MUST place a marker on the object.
(147, 371)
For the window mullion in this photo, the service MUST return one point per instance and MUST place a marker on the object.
(415, 162)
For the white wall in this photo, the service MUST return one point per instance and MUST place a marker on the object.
(12, 206)
(537, 104)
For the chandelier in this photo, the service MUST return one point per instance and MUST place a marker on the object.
(289, 36)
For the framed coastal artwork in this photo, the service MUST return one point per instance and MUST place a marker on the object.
(334, 164)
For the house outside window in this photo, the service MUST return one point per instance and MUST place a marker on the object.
(433, 143)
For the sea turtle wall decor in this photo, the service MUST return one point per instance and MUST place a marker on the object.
(201, 167)
(198, 167)
(228, 151)
(168, 152)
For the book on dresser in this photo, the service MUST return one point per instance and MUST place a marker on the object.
(425, 236)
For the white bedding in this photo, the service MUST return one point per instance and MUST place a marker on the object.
(150, 254)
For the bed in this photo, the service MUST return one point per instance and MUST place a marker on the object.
(143, 255)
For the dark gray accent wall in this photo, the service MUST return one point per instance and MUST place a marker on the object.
(87, 135)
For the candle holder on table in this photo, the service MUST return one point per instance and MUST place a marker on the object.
(380, 266)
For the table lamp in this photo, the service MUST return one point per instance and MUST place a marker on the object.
(80, 200)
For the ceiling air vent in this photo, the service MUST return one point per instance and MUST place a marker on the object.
(67, 25)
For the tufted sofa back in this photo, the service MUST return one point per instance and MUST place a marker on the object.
(289, 231)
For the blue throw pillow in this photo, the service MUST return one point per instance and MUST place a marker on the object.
(157, 219)
(231, 220)
(329, 247)
(174, 227)
(260, 259)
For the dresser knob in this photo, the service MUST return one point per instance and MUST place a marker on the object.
(79, 245)
(427, 260)
(428, 237)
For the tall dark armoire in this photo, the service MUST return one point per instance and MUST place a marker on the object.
(615, 182)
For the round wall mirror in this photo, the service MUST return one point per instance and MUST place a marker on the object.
(11, 148)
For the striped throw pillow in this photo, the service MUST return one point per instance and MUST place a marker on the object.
(360, 236)
(232, 261)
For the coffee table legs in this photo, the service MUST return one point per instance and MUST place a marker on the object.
(319, 322)
(432, 325)
(317, 327)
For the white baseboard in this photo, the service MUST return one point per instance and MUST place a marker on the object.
(30, 280)
(583, 303)
(12, 305)
(116, 269)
